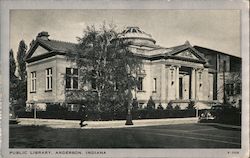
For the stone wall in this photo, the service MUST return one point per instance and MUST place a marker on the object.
(57, 94)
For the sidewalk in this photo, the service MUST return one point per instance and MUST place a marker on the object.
(53, 123)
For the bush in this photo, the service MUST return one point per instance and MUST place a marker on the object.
(55, 107)
(170, 106)
(151, 103)
(157, 114)
(191, 105)
(160, 107)
(115, 115)
(135, 104)
(177, 107)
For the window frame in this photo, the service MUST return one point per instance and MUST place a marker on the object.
(230, 89)
(49, 79)
(33, 81)
(71, 78)
(140, 85)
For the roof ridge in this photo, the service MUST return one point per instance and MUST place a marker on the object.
(177, 46)
(62, 41)
(216, 51)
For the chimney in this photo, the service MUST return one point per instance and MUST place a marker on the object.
(43, 35)
(187, 42)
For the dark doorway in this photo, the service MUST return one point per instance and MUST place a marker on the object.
(185, 71)
(180, 88)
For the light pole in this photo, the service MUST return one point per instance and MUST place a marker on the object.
(129, 116)
(34, 105)
(197, 111)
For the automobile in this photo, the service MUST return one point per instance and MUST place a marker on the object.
(13, 118)
(219, 113)
(206, 116)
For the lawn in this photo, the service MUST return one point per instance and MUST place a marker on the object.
(167, 136)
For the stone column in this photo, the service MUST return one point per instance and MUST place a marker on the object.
(177, 82)
(201, 75)
(193, 84)
(163, 83)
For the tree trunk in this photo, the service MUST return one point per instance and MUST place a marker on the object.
(99, 104)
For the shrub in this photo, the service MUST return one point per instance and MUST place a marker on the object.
(151, 103)
(170, 106)
(55, 107)
(120, 115)
(135, 104)
(177, 107)
(191, 105)
(160, 107)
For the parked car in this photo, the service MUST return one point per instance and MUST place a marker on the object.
(206, 116)
(220, 113)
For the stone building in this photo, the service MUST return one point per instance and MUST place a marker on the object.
(175, 75)
(227, 76)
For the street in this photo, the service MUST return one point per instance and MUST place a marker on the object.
(162, 136)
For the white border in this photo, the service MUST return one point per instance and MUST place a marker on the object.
(5, 6)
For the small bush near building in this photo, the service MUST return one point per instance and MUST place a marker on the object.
(169, 106)
(135, 104)
(160, 107)
(151, 103)
(177, 107)
(191, 105)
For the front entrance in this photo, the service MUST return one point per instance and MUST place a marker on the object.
(185, 83)
(181, 88)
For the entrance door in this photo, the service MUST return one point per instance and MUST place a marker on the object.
(181, 88)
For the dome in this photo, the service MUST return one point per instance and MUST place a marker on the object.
(136, 36)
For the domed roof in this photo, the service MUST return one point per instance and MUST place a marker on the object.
(136, 33)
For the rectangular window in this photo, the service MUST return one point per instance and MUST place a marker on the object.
(33, 81)
(154, 84)
(72, 78)
(140, 84)
(75, 82)
(230, 89)
(68, 81)
(49, 79)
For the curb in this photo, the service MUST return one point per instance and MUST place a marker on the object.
(106, 124)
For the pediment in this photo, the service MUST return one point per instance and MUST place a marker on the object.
(39, 51)
(187, 54)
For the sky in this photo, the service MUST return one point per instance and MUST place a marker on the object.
(214, 29)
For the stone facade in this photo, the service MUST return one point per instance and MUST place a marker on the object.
(226, 72)
(57, 93)
(175, 75)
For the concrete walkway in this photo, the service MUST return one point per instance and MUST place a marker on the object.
(53, 123)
